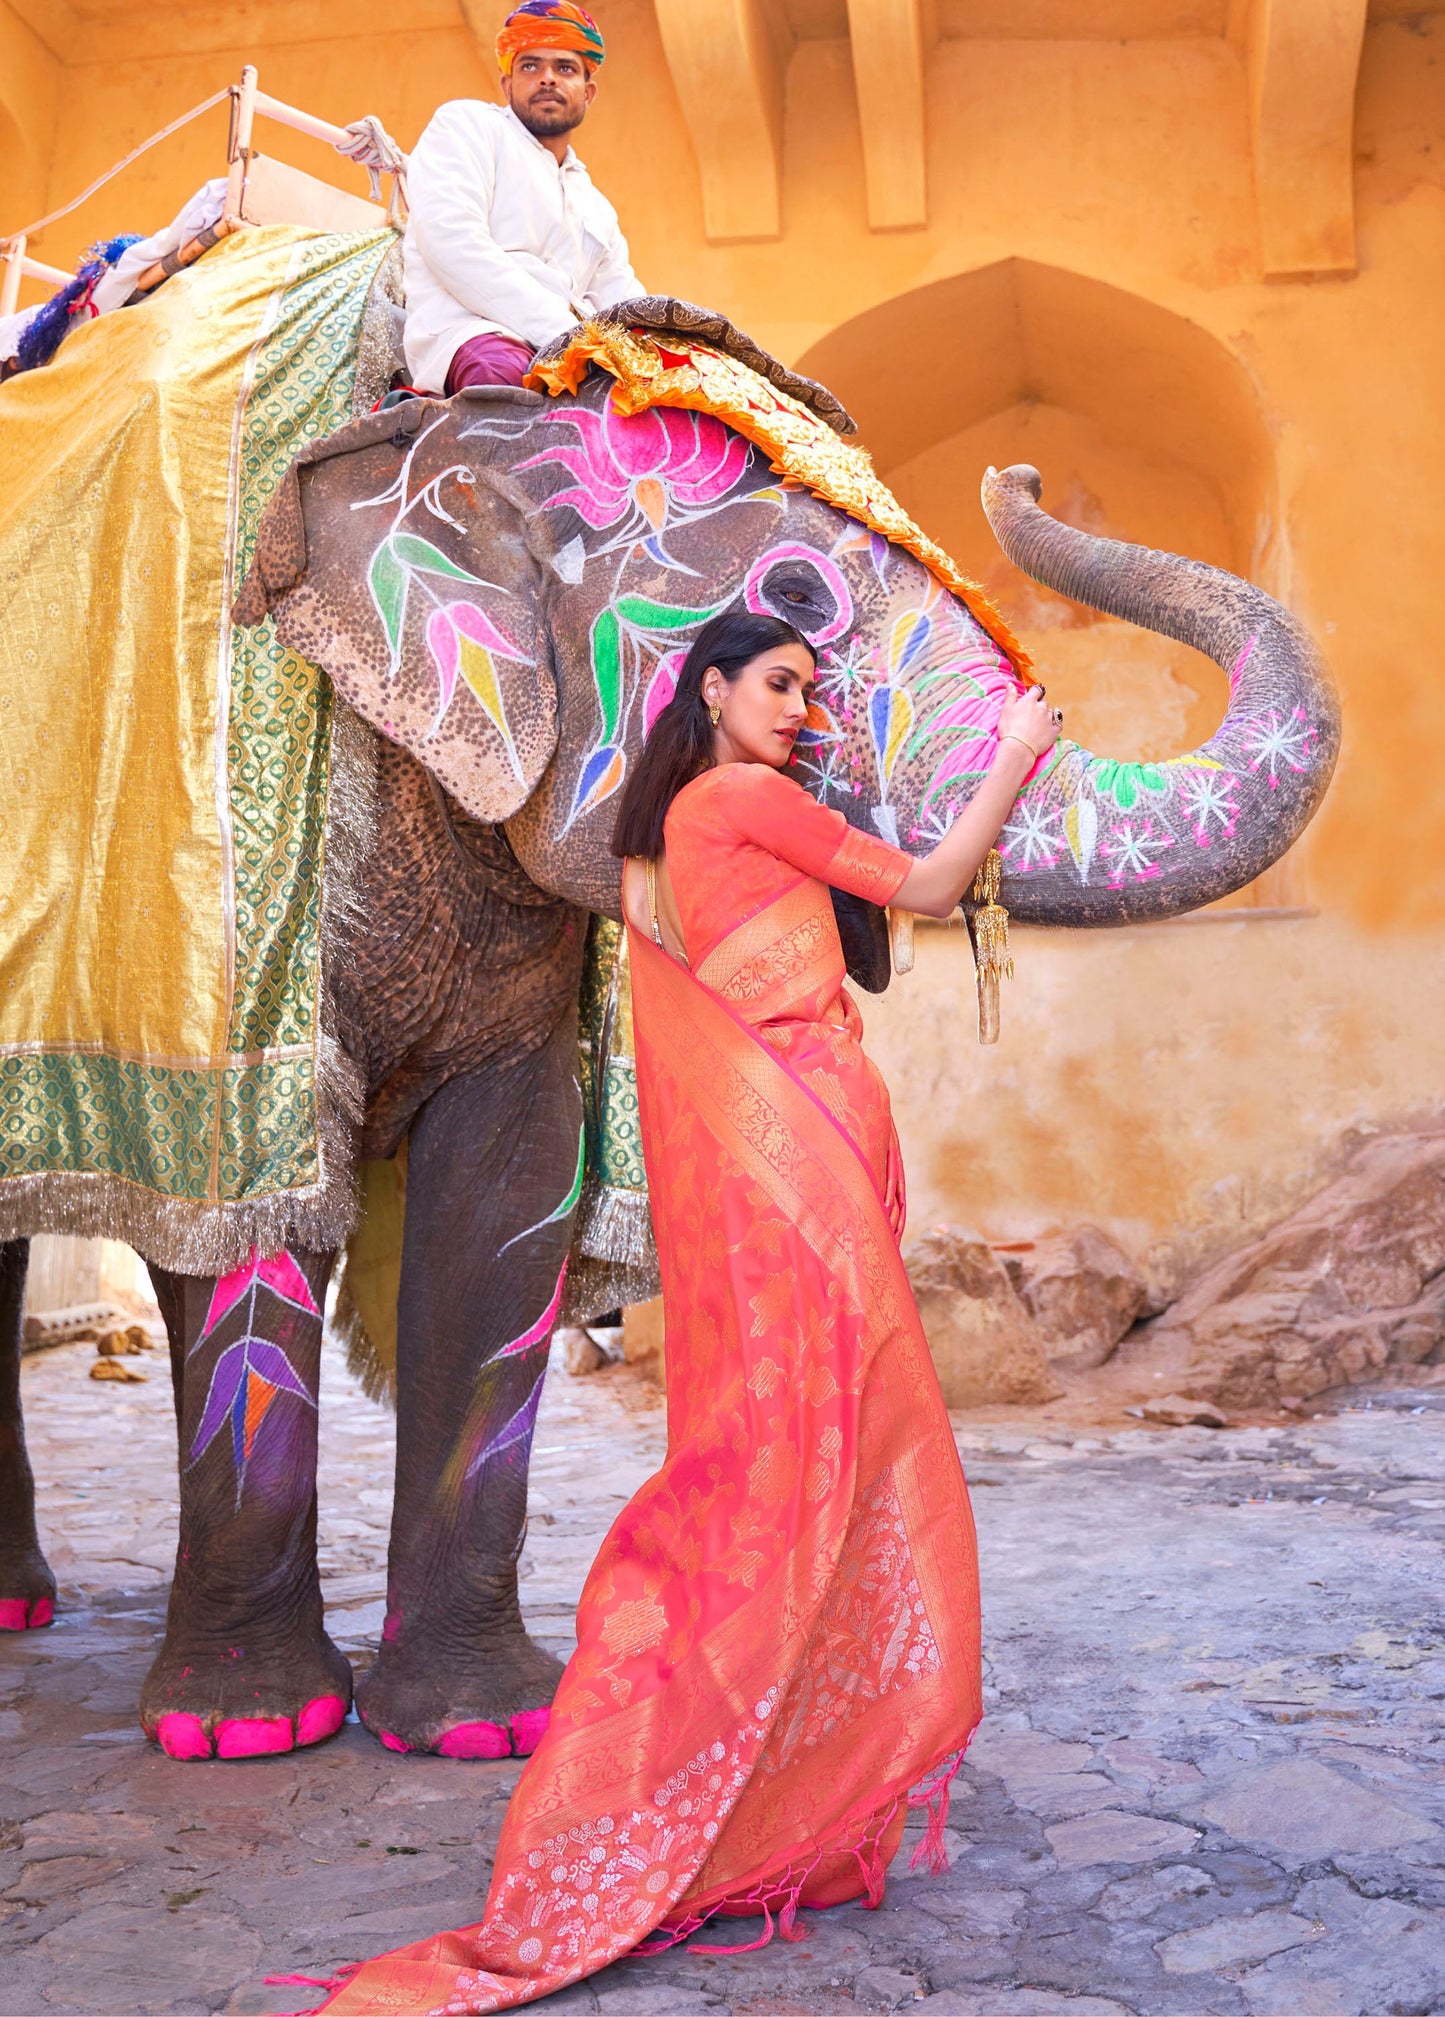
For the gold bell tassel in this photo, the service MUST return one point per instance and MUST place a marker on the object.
(988, 931)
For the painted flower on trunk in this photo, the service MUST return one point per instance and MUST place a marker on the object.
(645, 473)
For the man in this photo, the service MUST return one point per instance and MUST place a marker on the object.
(508, 243)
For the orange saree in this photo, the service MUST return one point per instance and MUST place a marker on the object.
(780, 1636)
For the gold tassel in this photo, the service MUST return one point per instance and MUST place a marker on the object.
(993, 961)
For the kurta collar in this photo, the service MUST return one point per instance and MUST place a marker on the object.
(569, 159)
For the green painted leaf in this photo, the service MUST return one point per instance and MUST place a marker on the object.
(387, 580)
(645, 615)
(607, 669)
(417, 552)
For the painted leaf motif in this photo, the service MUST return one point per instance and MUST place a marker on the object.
(481, 676)
(271, 1363)
(413, 551)
(607, 669)
(601, 775)
(441, 641)
(645, 615)
(387, 580)
(1081, 830)
(661, 688)
(225, 1383)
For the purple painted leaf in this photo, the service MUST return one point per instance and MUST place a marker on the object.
(230, 1370)
(272, 1364)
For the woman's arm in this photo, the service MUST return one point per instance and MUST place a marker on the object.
(935, 886)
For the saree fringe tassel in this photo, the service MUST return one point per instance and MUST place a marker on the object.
(934, 1796)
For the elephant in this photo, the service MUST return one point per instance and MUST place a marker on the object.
(502, 586)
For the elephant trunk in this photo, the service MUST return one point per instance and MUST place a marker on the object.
(1100, 841)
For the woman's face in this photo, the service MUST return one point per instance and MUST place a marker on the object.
(762, 709)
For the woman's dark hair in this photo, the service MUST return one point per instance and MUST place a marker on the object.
(680, 745)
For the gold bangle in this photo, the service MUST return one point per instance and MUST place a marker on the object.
(1022, 744)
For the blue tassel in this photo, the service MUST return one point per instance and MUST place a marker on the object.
(47, 328)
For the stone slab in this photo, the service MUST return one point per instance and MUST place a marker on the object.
(1115, 1837)
(1301, 1809)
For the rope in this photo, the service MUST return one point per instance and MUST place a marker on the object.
(100, 181)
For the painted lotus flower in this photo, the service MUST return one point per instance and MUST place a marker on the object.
(644, 472)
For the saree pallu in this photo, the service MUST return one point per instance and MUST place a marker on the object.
(779, 1638)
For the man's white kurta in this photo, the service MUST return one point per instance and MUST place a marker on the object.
(502, 237)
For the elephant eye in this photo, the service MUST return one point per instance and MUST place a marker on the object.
(801, 595)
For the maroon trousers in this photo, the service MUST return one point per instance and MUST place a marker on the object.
(492, 359)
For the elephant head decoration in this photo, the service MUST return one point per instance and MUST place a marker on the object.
(506, 585)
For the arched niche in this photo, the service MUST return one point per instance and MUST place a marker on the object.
(1143, 425)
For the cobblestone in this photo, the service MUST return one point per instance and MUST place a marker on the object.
(1211, 1779)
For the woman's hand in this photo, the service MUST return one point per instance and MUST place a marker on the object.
(1029, 717)
(1027, 727)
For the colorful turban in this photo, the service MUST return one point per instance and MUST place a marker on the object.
(549, 24)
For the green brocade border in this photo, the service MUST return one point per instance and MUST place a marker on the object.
(194, 1164)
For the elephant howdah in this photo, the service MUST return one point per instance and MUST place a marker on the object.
(503, 587)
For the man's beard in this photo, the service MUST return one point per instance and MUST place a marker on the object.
(545, 122)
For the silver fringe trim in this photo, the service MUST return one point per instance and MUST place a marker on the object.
(614, 1256)
(189, 1236)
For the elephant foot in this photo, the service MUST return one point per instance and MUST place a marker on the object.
(198, 1702)
(29, 1587)
(491, 1699)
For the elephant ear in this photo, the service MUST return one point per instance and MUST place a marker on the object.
(390, 560)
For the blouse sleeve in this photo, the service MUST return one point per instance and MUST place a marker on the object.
(775, 813)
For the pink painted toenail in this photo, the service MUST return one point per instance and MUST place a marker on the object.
(476, 1740)
(182, 1736)
(393, 1743)
(527, 1730)
(320, 1719)
(253, 1736)
(14, 1614)
(42, 1612)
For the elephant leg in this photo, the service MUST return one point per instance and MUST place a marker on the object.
(27, 1588)
(492, 1169)
(245, 1666)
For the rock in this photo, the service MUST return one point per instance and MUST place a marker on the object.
(1083, 1292)
(583, 1356)
(1231, 1942)
(654, 1999)
(1308, 1813)
(884, 1988)
(115, 1369)
(1352, 1281)
(82, 1323)
(1139, 1897)
(985, 1345)
(61, 1876)
(1118, 1838)
(1177, 1411)
(1017, 2003)
(159, 1959)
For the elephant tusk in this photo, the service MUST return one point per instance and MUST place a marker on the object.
(900, 940)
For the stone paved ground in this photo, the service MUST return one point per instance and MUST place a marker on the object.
(1212, 1777)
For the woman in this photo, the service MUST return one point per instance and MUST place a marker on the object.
(779, 1638)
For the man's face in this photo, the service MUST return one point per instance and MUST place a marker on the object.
(549, 90)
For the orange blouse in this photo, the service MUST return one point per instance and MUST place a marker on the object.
(745, 830)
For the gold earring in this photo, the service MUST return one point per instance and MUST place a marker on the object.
(714, 713)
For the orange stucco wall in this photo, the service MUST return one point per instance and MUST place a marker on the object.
(1088, 295)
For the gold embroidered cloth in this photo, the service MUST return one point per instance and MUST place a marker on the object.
(667, 370)
(164, 778)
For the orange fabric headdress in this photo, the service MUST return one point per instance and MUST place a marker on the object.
(549, 24)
